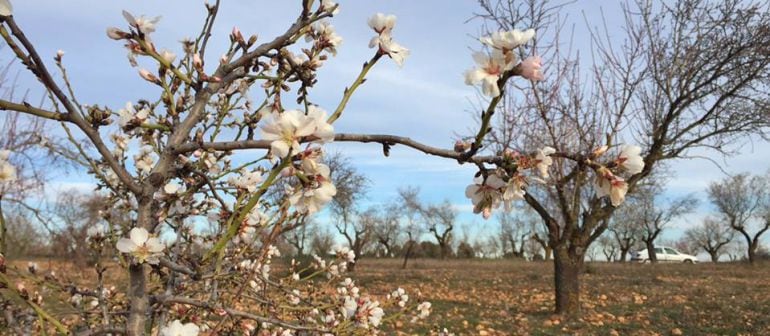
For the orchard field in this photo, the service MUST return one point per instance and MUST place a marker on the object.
(516, 298)
(505, 297)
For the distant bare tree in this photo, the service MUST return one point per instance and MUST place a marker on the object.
(653, 217)
(514, 231)
(408, 196)
(736, 250)
(609, 247)
(388, 228)
(743, 201)
(439, 219)
(711, 236)
(321, 241)
(358, 232)
(300, 233)
(625, 231)
(34, 153)
(352, 186)
(77, 213)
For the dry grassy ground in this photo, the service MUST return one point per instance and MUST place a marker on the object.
(515, 298)
(504, 297)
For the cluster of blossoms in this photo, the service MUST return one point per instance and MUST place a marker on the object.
(609, 184)
(490, 66)
(499, 186)
(7, 170)
(383, 26)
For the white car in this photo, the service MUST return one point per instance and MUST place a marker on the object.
(664, 254)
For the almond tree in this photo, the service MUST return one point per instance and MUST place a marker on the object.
(513, 233)
(258, 96)
(438, 219)
(609, 247)
(710, 236)
(744, 201)
(387, 230)
(409, 223)
(626, 232)
(685, 76)
(653, 217)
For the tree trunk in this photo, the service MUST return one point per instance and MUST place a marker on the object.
(714, 256)
(752, 253)
(442, 247)
(651, 251)
(547, 253)
(3, 233)
(567, 268)
(137, 294)
(623, 254)
(407, 254)
(139, 303)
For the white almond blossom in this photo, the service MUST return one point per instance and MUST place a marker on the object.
(345, 253)
(373, 313)
(7, 170)
(531, 68)
(176, 328)
(424, 309)
(608, 184)
(247, 180)
(142, 23)
(172, 188)
(286, 129)
(326, 36)
(485, 194)
(311, 198)
(121, 144)
(349, 307)
(543, 160)
(387, 46)
(330, 6)
(381, 23)
(129, 116)
(5, 8)
(488, 71)
(630, 159)
(514, 191)
(508, 40)
(323, 130)
(144, 159)
(168, 55)
(140, 245)
(400, 296)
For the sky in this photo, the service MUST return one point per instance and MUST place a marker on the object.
(426, 99)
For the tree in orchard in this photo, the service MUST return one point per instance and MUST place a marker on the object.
(687, 79)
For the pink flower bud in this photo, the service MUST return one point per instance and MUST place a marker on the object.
(236, 35)
(197, 62)
(531, 68)
(116, 34)
(461, 146)
(288, 171)
(486, 213)
(149, 76)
